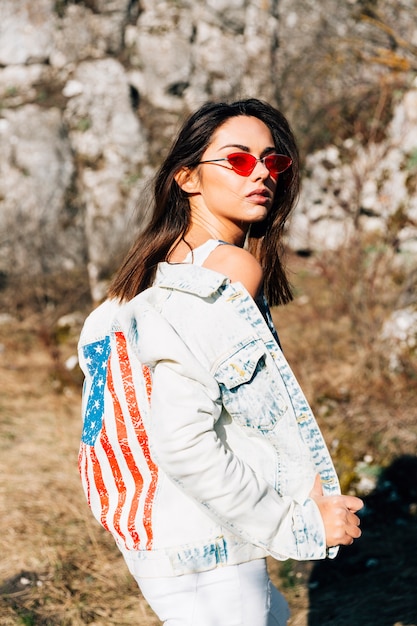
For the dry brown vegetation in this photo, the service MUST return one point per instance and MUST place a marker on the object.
(58, 567)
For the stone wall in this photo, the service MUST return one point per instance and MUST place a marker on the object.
(92, 91)
(369, 188)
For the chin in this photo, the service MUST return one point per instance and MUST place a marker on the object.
(259, 215)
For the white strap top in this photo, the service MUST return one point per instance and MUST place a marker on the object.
(200, 254)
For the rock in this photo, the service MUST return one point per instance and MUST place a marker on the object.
(109, 142)
(92, 93)
(26, 31)
(370, 188)
(36, 170)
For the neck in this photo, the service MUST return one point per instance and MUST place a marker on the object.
(200, 230)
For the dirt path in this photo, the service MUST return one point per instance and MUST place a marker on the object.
(58, 568)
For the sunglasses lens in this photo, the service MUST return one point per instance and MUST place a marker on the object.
(242, 163)
(277, 163)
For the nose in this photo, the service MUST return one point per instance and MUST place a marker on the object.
(260, 171)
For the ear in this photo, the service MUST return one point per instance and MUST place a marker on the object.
(188, 180)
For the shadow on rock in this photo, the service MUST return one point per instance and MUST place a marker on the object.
(374, 581)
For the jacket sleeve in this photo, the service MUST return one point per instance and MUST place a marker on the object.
(184, 408)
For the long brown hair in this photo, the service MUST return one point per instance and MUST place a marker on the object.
(171, 210)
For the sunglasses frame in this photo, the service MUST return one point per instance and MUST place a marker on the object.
(273, 172)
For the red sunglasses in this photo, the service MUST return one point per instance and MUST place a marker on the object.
(244, 164)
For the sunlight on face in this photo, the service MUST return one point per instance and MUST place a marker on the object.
(225, 198)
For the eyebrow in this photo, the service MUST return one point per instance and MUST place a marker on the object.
(246, 149)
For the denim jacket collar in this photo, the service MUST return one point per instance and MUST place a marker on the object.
(190, 278)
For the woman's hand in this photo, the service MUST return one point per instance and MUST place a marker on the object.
(338, 512)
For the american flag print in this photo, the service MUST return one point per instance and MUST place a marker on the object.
(118, 473)
(96, 356)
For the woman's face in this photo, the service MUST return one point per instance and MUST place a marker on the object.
(225, 198)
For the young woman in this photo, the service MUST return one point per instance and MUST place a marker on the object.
(199, 451)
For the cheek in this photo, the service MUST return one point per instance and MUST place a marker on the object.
(223, 186)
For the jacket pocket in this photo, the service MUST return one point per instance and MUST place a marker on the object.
(250, 391)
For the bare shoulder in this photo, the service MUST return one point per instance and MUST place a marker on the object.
(238, 264)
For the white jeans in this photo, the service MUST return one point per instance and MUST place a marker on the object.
(235, 595)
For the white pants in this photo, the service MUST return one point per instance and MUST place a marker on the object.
(235, 595)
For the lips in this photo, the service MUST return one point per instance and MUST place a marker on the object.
(260, 196)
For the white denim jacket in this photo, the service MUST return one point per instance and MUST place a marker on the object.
(199, 448)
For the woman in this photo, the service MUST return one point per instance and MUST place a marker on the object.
(199, 451)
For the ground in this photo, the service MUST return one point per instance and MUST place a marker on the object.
(58, 567)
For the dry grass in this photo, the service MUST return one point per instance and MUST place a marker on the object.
(58, 567)
(331, 335)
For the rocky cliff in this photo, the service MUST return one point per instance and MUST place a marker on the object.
(91, 92)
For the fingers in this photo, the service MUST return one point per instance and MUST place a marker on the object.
(350, 502)
(349, 529)
(353, 503)
(353, 526)
(339, 516)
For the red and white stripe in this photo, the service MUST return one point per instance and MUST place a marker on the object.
(118, 474)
